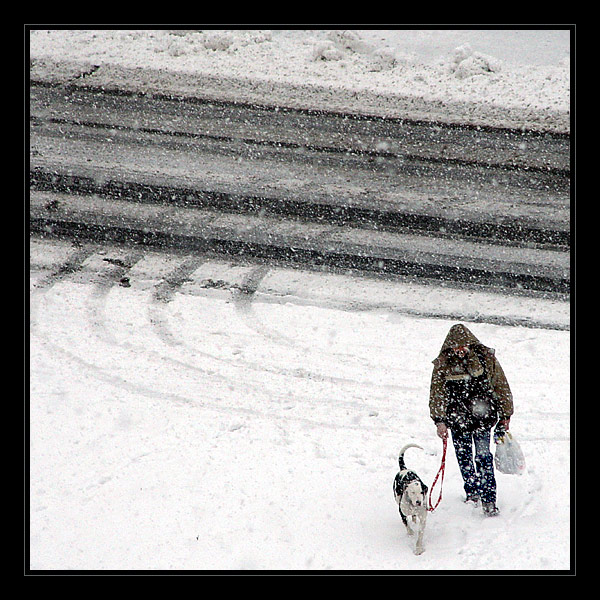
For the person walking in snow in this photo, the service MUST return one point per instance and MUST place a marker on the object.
(469, 396)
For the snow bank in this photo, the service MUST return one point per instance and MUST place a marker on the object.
(508, 78)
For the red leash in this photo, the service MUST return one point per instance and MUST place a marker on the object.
(442, 470)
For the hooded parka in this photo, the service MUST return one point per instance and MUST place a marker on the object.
(469, 392)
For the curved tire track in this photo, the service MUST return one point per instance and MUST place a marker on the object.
(95, 304)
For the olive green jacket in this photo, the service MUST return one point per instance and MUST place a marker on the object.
(447, 367)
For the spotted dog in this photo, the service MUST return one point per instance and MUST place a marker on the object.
(410, 494)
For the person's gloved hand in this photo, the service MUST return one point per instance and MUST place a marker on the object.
(500, 430)
(442, 431)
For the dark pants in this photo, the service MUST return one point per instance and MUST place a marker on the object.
(479, 477)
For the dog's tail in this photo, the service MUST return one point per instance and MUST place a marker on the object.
(401, 456)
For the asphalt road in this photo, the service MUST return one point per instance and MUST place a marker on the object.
(478, 206)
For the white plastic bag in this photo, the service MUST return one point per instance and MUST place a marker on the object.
(509, 457)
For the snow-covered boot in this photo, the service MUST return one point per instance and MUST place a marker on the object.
(472, 499)
(490, 509)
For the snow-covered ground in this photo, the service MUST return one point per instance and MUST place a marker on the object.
(207, 430)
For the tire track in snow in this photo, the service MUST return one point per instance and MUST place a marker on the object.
(135, 388)
(115, 273)
(164, 292)
(243, 296)
(73, 264)
(96, 307)
(243, 299)
(96, 310)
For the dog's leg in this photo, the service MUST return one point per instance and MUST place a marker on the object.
(419, 545)
(402, 516)
(419, 548)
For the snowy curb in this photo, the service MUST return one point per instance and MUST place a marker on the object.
(137, 80)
